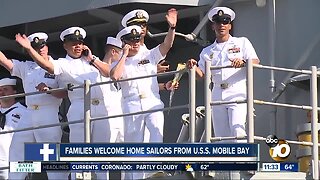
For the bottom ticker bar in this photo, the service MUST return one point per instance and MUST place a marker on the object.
(62, 166)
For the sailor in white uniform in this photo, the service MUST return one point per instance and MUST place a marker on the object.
(142, 94)
(113, 95)
(12, 113)
(229, 83)
(140, 18)
(74, 69)
(43, 108)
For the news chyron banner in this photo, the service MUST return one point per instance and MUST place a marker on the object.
(116, 166)
(42, 157)
(144, 152)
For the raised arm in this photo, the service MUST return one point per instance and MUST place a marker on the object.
(168, 40)
(43, 63)
(5, 62)
(117, 70)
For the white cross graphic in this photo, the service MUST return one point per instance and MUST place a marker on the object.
(46, 152)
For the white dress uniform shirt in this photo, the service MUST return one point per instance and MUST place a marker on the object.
(13, 118)
(229, 84)
(76, 71)
(220, 54)
(142, 64)
(32, 75)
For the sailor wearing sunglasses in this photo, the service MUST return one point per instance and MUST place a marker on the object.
(229, 84)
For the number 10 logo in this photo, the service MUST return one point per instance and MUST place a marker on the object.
(279, 148)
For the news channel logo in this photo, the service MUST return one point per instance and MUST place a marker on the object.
(279, 149)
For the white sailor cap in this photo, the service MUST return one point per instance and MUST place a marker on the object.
(73, 34)
(135, 16)
(218, 13)
(8, 82)
(38, 39)
(114, 42)
(130, 33)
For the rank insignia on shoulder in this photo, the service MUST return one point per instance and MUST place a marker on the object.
(48, 75)
(16, 116)
(143, 62)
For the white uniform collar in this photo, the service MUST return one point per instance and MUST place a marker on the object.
(71, 58)
(230, 40)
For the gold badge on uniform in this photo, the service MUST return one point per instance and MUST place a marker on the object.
(142, 95)
(95, 102)
(139, 15)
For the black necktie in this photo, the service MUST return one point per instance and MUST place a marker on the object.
(117, 86)
(3, 117)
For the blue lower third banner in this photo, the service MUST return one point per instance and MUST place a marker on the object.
(100, 166)
(144, 152)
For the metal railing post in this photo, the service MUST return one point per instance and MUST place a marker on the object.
(314, 123)
(207, 101)
(250, 127)
(192, 105)
(87, 121)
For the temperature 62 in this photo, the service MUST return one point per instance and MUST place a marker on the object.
(204, 167)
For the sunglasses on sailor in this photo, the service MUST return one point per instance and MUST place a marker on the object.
(223, 21)
(141, 24)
